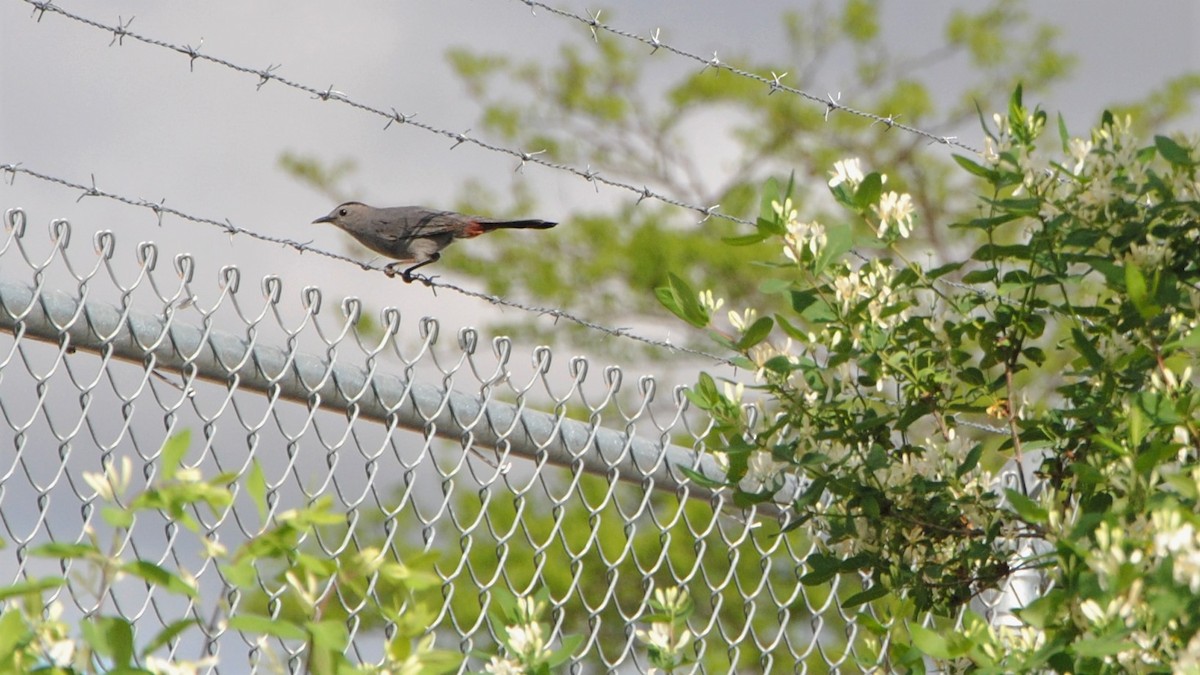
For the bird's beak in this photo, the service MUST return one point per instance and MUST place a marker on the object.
(324, 219)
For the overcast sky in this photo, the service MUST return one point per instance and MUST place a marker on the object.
(208, 142)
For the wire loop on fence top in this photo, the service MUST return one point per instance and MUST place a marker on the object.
(303, 247)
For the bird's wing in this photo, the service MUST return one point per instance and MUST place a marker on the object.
(424, 223)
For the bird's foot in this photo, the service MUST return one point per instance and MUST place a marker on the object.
(427, 280)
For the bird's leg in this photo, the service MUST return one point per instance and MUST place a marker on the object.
(407, 274)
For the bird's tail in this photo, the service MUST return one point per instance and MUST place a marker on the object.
(489, 225)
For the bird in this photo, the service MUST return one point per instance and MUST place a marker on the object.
(414, 234)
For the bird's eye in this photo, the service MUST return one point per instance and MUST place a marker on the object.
(343, 212)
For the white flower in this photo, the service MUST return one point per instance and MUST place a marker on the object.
(990, 155)
(1022, 638)
(673, 598)
(1181, 542)
(895, 208)
(527, 641)
(708, 302)
(113, 482)
(1189, 658)
(1151, 254)
(308, 587)
(661, 636)
(743, 320)
(761, 471)
(735, 393)
(213, 548)
(502, 666)
(1180, 435)
(847, 171)
(1079, 150)
(61, 653)
(802, 236)
(529, 609)
(1092, 612)
(1171, 534)
(785, 210)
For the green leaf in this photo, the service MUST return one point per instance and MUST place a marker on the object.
(35, 586)
(868, 191)
(1135, 285)
(873, 593)
(159, 576)
(560, 656)
(706, 388)
(682, 301)
(701, 479)
(980, 276)
(773, 286)
(839, 239)
(1086, 349)
(818, 577)
(1159, 407)
(1173, 152)
(1137, 426)
(1099, 647)
(770, 193)
(265, 625)
(110, 636)
(64, 550)
(794, 332)
(117, 516)
(929, 642)
(168, 633)
(1043, 611)
(329, 635)
(173, 451)
(974, 168)
(1025, 507)
(256, 487)
(1016, 109)
(14, 632)
(756, 333)
(811, 496)
(970, 461)
(745, 240)
(1155, 456)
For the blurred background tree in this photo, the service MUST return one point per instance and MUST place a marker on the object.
(594, 106)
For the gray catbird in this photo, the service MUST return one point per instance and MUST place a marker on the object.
(414, 234)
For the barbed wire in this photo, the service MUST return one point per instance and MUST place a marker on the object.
(831, 102)
(121, 31)
(159, 208)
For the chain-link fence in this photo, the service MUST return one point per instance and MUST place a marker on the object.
(515, 472)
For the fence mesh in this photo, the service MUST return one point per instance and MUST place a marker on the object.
(509, 472)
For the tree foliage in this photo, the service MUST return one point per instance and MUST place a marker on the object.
(600, 104)
(1061, 350)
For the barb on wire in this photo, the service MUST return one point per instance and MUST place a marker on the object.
(159, 208)
(654, 41)
(269, 74)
